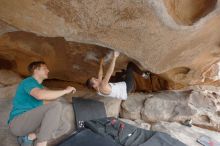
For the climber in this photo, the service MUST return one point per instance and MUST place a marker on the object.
(117, 90)
(29, 113)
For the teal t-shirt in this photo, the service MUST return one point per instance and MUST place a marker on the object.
(23, 101)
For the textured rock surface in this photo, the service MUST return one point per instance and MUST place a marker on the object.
(185, 134)
(167, 106)
(112, 106)
(175, 106)
(4, 28)
(131, 108)
(188, 11)
(67, 61)
(202, 108)
(9, 78)
(8, 83)
(138, 123)
(66, 122)
(147, 31)
(6, 138)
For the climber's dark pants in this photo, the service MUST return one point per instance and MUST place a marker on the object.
(129, 77)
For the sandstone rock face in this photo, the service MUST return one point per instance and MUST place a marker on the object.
(202, 108)
(188, 11)
(185, 134)
(8, 92)
(137, 123)
(4, 28)
(131, 108)
(6, 138)
(175, 106)
(147, 31)
(169, 106)
(212, 73)
(112, 106)
(67, 61)
(9, 78)
(8, 83)
(67, 122)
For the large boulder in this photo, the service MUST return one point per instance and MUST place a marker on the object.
(201, 107)
(67, 123)
(112, 106)
(175, 106)
(131, 108)
(167, 106)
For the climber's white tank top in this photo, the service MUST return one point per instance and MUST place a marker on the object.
(119, 91)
